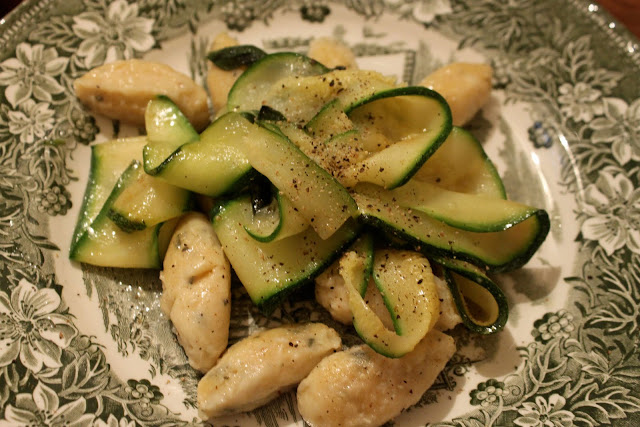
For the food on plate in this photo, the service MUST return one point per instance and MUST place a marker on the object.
(309, 172)
(332, 294)
(405, 280)
(496, 244)
(359, 387)
(465, 86)
(449, 316)
(211, 163)
(461, 165)
(121, 91)
(219, 81)
(127, 217)
(262, 366)
(332, 53)
(196, 290)
(271, 271)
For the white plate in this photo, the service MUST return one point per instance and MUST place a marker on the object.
(563, 127)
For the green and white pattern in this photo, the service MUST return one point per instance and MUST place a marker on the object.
(89, 346)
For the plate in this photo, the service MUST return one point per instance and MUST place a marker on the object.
(90, 345)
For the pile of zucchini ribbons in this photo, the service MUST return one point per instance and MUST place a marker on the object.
(308, 163)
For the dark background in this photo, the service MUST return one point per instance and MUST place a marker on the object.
(7, 5)
(625, 11)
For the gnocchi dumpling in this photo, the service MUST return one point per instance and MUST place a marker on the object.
(465, 86)
(121, 91)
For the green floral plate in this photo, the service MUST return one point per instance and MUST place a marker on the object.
(89, 346)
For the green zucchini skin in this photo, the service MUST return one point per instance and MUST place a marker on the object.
(145, 201)
(318, 196)
(167, 130)
(451, 268)
(125, 223)
(278, 220)
(91, 200)
(108, 161)
(364, 246)
(469, 212)
(269, 225)
(448, 268)
(406, 283)
(248, 92)
(432, 237)
(270, 267)
(460, 164)
(330, 121)
(271, 271)
(445, 267)
(400, 91)
(408, 113)
(97, 239)
(417, 123)
(212, 165)
(301, 97)
(103, 243)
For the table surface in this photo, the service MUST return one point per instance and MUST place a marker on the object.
(626, 11)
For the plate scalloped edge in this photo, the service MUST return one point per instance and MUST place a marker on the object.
(581, 366)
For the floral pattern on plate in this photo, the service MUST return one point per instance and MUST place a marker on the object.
(90, 345)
